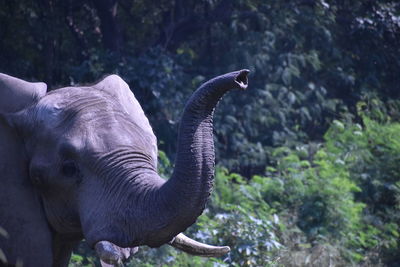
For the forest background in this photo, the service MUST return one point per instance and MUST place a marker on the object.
(308, 157)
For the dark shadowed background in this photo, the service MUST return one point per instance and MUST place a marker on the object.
(308, 157)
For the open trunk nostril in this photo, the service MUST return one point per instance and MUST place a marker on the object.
(241, 79)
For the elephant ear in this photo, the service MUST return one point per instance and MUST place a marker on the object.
(17, 94)
(119, 89)
(29, 238)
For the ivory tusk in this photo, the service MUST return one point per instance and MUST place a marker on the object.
(193, 247)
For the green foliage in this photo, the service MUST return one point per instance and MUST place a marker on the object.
(346, 191)
(164, 165)
(320, 191)
(371, 153)
(83, 256)
(240, 217)
(312, 191)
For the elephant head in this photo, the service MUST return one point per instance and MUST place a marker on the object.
(81, 162)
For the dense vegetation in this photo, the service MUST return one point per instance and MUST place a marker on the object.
(308, 156)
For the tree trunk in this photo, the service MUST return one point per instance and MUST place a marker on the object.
(110, 30)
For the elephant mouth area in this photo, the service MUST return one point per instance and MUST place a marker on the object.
(117, 239)
(112, 254)
(113, 246)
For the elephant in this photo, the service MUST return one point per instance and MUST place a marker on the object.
(81, 163)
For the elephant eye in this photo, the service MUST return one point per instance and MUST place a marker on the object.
(69, 169)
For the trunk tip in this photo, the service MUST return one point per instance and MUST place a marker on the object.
(241, 79)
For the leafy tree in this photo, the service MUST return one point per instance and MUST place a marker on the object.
(311, 61)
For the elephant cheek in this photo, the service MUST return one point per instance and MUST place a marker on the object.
(95, 233)
(62, 218)
(98, 223)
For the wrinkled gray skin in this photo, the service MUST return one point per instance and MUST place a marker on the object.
(80, 162)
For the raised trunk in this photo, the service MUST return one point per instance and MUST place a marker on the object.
(190, 185)
(159, 211)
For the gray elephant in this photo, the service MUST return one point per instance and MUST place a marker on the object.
(81, 162)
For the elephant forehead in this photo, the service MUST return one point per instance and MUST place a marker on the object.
(58, 109)
(74, 98)
(98, 117)
(107, 136)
